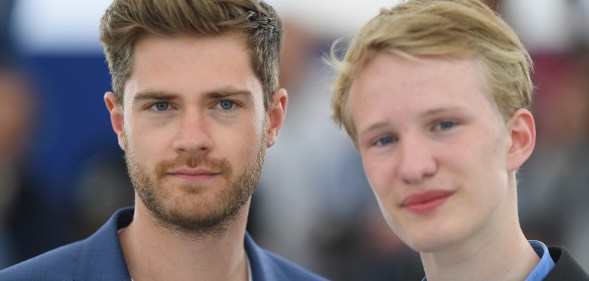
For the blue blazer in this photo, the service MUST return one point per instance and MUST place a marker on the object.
(100, 257)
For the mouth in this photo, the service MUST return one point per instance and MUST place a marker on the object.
(425, 202)
(193, 175)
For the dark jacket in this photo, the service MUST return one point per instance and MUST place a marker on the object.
(566, 268)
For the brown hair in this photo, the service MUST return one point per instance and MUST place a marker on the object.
(425, 28)
(125, 21)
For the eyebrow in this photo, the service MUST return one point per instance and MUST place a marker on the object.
(373, 127)
(154, 95)
(168, 96)
(443, 109)
(224, 93)
(426, 114)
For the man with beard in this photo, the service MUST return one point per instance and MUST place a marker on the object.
(195, 105)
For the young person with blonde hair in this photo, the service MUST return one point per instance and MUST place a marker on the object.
(436, 97)
(196, 103)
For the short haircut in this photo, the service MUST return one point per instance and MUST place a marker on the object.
(126, 21)
(442, 28)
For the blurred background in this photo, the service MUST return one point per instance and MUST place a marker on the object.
(62, 173)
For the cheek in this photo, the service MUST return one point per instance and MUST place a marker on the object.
(488, 178)
(147, 144)
(240, 142)
(142, 138)
(495, 149)
(466, 152)
(380, 177)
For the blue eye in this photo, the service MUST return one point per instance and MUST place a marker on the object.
(385, 141)
(226, 104)
(445, 125)
(161, 106)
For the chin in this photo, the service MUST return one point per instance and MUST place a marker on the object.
(426, 238)
(432, 241)
(426, 246)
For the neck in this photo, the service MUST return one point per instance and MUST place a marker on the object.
(154, 252)
(499, 251)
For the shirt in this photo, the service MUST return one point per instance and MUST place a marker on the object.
(545, 265)
(542, 268)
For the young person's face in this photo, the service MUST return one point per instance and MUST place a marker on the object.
(434, 148)
(194, 128)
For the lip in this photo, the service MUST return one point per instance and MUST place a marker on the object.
(194, 175)
(425, 202)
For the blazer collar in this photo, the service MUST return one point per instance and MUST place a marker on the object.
(101, 256)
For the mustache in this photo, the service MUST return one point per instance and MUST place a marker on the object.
(193, 161)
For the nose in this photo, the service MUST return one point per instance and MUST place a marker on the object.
(193, 134)
(416, 161)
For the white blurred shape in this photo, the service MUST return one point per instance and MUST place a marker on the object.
(50, 26)
(330, 18)
(72, 26)
(581, 20)
(543, 25)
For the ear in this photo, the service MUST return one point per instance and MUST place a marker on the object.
(116, 116)
(275, 115)
(523, 138)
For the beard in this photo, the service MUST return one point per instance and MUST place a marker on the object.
(192, 214)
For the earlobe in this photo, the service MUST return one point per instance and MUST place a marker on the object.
(523, 138)
(116, 116)
(276, 114)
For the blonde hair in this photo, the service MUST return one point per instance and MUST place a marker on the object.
(126, 21)
(453, 28)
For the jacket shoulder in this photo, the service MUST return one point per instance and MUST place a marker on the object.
(268, 266)
(98, 257)
(57, 264)
(565, 268)
(289, 270)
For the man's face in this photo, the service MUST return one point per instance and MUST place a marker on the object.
(434, 148)
(194, 129)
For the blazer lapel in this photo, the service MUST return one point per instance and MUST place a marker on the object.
(101, 256)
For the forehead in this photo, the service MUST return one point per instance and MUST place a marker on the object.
(191, 64)
(396, 84)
